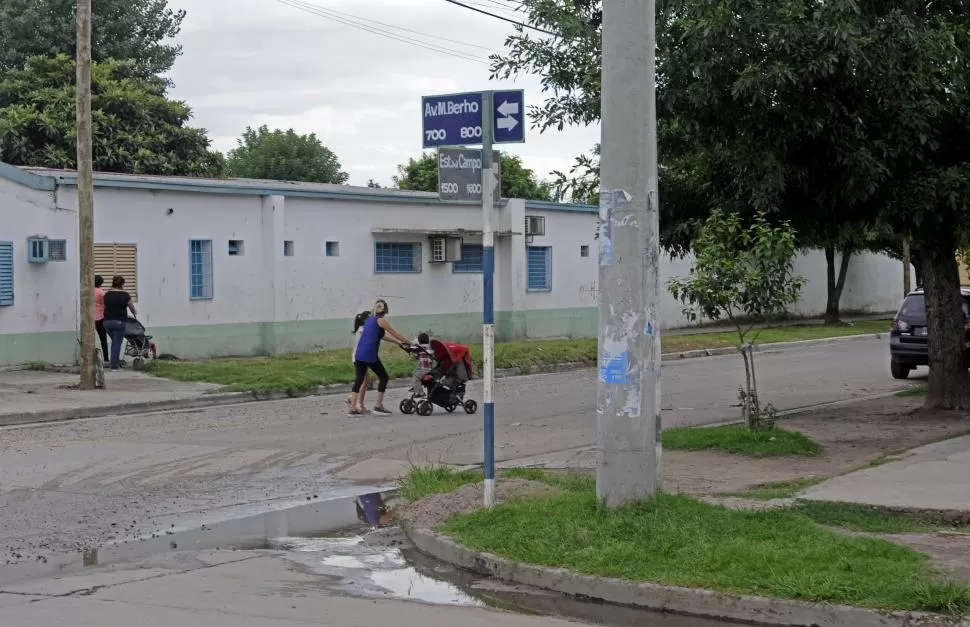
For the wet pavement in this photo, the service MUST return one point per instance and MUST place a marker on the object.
(383, 564)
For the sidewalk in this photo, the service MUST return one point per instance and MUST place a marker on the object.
(48, 396)
(932, 477)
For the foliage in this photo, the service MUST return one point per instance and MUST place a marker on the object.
(373, 184)
(283, 156)
(421, 175)
(136, 128)
(742, 275)
(138, 31)
(836, 116)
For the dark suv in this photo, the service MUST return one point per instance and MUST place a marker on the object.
(907, 336)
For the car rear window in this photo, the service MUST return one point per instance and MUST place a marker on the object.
(913, 306)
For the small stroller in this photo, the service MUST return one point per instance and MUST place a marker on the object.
(445, 384)
(138, 346)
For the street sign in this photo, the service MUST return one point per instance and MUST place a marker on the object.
(460, 175)
(509, 117)
(456, 119)
(452, 120)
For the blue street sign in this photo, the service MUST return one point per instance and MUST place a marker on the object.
(509, 117)
(452, 120)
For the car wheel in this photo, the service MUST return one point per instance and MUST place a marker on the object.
(899, 370)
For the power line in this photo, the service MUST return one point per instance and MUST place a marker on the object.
(501, 17)
(394, 26)
(321, 12)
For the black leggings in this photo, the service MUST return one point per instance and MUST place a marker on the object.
(378, 368)
(103, 336)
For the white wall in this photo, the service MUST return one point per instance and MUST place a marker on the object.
(45, 294)
(263, 285)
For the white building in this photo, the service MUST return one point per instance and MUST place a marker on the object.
(241, 267)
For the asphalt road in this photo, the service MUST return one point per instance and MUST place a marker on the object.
(79, 484)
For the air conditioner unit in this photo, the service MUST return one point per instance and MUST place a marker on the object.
(38, 250)
(445, 249)
(535, 225)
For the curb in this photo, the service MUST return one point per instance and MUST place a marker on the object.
(672, 599)
(246, 531)
(232, 398)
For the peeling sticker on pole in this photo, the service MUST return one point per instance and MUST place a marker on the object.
(609, 201)
(614, 367)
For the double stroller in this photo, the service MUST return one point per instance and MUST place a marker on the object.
(445, 384)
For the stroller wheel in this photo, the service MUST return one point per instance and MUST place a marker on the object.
(136, 363)
(470, 407)
(425, 408)
(407, 406)
(451, 408)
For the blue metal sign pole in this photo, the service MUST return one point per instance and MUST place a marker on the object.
(488, 313)
(484, 118)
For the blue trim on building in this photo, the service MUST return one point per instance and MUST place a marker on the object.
(26, 178)
(49, 180)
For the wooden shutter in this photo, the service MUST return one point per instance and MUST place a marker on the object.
(118, 259)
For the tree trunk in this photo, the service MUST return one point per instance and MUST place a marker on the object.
(835, 284)
(916, 259)
(949, 385)
(746, 412)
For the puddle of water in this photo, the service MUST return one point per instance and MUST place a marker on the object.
(383, 564)
(372, 565)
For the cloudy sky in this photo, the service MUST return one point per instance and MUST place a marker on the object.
(253, 62)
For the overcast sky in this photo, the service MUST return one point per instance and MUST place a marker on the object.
(253, 62)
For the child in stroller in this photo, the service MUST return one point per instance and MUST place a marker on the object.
(444, 386)
(138, 345)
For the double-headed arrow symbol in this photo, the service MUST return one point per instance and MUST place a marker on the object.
(507, 109)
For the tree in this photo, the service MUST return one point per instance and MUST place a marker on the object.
(283, 156)
(836, 116)
(137, 130)
(517, 181)
(373, 184)
(743, 275)
(139, 31)
(792, 166)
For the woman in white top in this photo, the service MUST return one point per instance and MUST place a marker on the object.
(356, 404)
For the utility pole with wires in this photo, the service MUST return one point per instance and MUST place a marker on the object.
(628, 389)
(85, 197)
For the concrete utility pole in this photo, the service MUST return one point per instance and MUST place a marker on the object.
(85, 195)
(628, 390)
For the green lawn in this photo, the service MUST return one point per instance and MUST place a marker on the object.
(300, 372)
(866, 519)
(677, 540)
(738, 440)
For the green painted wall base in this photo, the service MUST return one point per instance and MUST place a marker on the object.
(222, 340)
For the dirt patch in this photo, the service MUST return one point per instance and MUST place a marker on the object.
(852, 435)
(948, 551)
(435, 510)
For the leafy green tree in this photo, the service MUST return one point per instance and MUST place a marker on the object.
(373, 184)
(743, 275)
(136, 128)
(709, 97)
(518, 181)
(139, 31)
(283, 156)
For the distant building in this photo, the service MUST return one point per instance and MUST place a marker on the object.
(245, 267)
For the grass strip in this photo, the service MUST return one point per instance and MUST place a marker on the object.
(676, 540)
(737, 440)
(300, 372)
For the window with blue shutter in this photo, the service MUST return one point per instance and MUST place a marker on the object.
(397, 258)
(6, 274)
(471, 259)
(539, 268)
(200, 269)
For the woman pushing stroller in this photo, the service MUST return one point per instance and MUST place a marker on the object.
(367, 357)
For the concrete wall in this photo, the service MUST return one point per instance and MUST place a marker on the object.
(265, 301)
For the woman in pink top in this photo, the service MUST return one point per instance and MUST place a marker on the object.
(99, 316)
